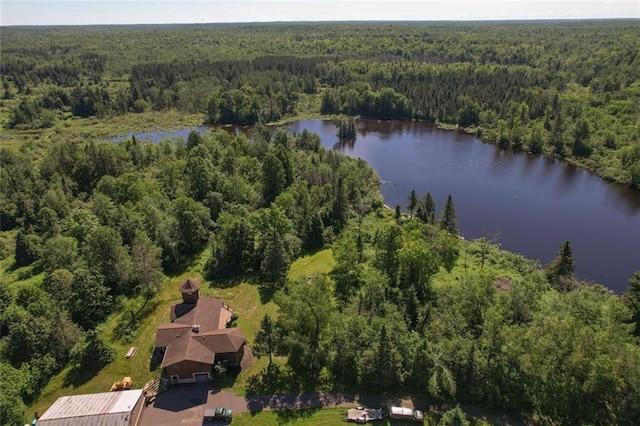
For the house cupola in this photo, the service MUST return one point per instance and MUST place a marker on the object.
(190, 290)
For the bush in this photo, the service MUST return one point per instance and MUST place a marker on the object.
(96, 354)
(454, 417)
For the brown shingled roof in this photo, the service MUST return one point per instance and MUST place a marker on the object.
(190, 285)
(168, 333)
(210, 316)
(203, 347)
(224, 340)
(206, 313)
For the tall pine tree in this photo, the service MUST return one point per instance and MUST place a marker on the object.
(413, 202)
(562, 266)
(449, 222)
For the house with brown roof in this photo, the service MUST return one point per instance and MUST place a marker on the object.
(198, 337)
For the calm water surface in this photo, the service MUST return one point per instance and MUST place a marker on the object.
(532, 204)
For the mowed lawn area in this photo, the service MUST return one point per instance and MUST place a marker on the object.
(251, 301)
(323, 417)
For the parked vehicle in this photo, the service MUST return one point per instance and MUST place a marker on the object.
(218, 413)
(406, 413)
(119, 385)
(363, 415)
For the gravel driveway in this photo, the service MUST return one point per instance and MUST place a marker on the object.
(185, 404)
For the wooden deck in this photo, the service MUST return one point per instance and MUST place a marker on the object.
(362, 415)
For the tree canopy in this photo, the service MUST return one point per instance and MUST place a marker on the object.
(96, 226)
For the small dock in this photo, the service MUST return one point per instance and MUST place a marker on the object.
(363, 415)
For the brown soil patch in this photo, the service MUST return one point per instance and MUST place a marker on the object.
(502, 284)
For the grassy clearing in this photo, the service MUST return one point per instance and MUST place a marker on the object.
(325, 416)
(251, 302)
(151, 120)
(244, 297)
(497, 263)
(94, 128)
(329, 416)
(16, 278)
(320, 262)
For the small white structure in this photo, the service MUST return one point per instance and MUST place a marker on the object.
(103, 409)
(363, 415)
(406, 413)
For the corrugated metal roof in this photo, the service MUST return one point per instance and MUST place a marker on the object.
(98, 409)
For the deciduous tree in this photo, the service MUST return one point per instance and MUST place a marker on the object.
(307, 307)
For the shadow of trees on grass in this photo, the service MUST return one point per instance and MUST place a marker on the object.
(78, 376)
(278, 380)
(88, 359)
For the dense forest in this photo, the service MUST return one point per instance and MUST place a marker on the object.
(551, 88)
(88, 226)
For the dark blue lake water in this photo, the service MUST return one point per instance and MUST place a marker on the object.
(532, 204)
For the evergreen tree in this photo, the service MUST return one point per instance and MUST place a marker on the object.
(449, 222)
(267, 339)
(632, 299)
(346, 273)
(562, 266)
(275, 260)
(273, 177)
(388, 242)
(468, 113)
(454, 417)
(233, 252)
(426, 210)
(97, 354)
(581, 134)
(340, 208)
(347, 129)
(315, 233)
(413, 202)
(385, 368)
(147, 270)
(27, 248)
(536, 140)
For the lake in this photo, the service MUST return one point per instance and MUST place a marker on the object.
(530, 205)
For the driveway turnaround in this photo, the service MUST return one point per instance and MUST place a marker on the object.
(185, 404)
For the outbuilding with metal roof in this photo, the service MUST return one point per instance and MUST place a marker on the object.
(98, 409)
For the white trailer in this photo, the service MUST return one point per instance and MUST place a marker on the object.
(406, 413)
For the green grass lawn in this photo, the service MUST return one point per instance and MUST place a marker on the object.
(311, 417)
(327, 416)
(251, 302)
(321, 262)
